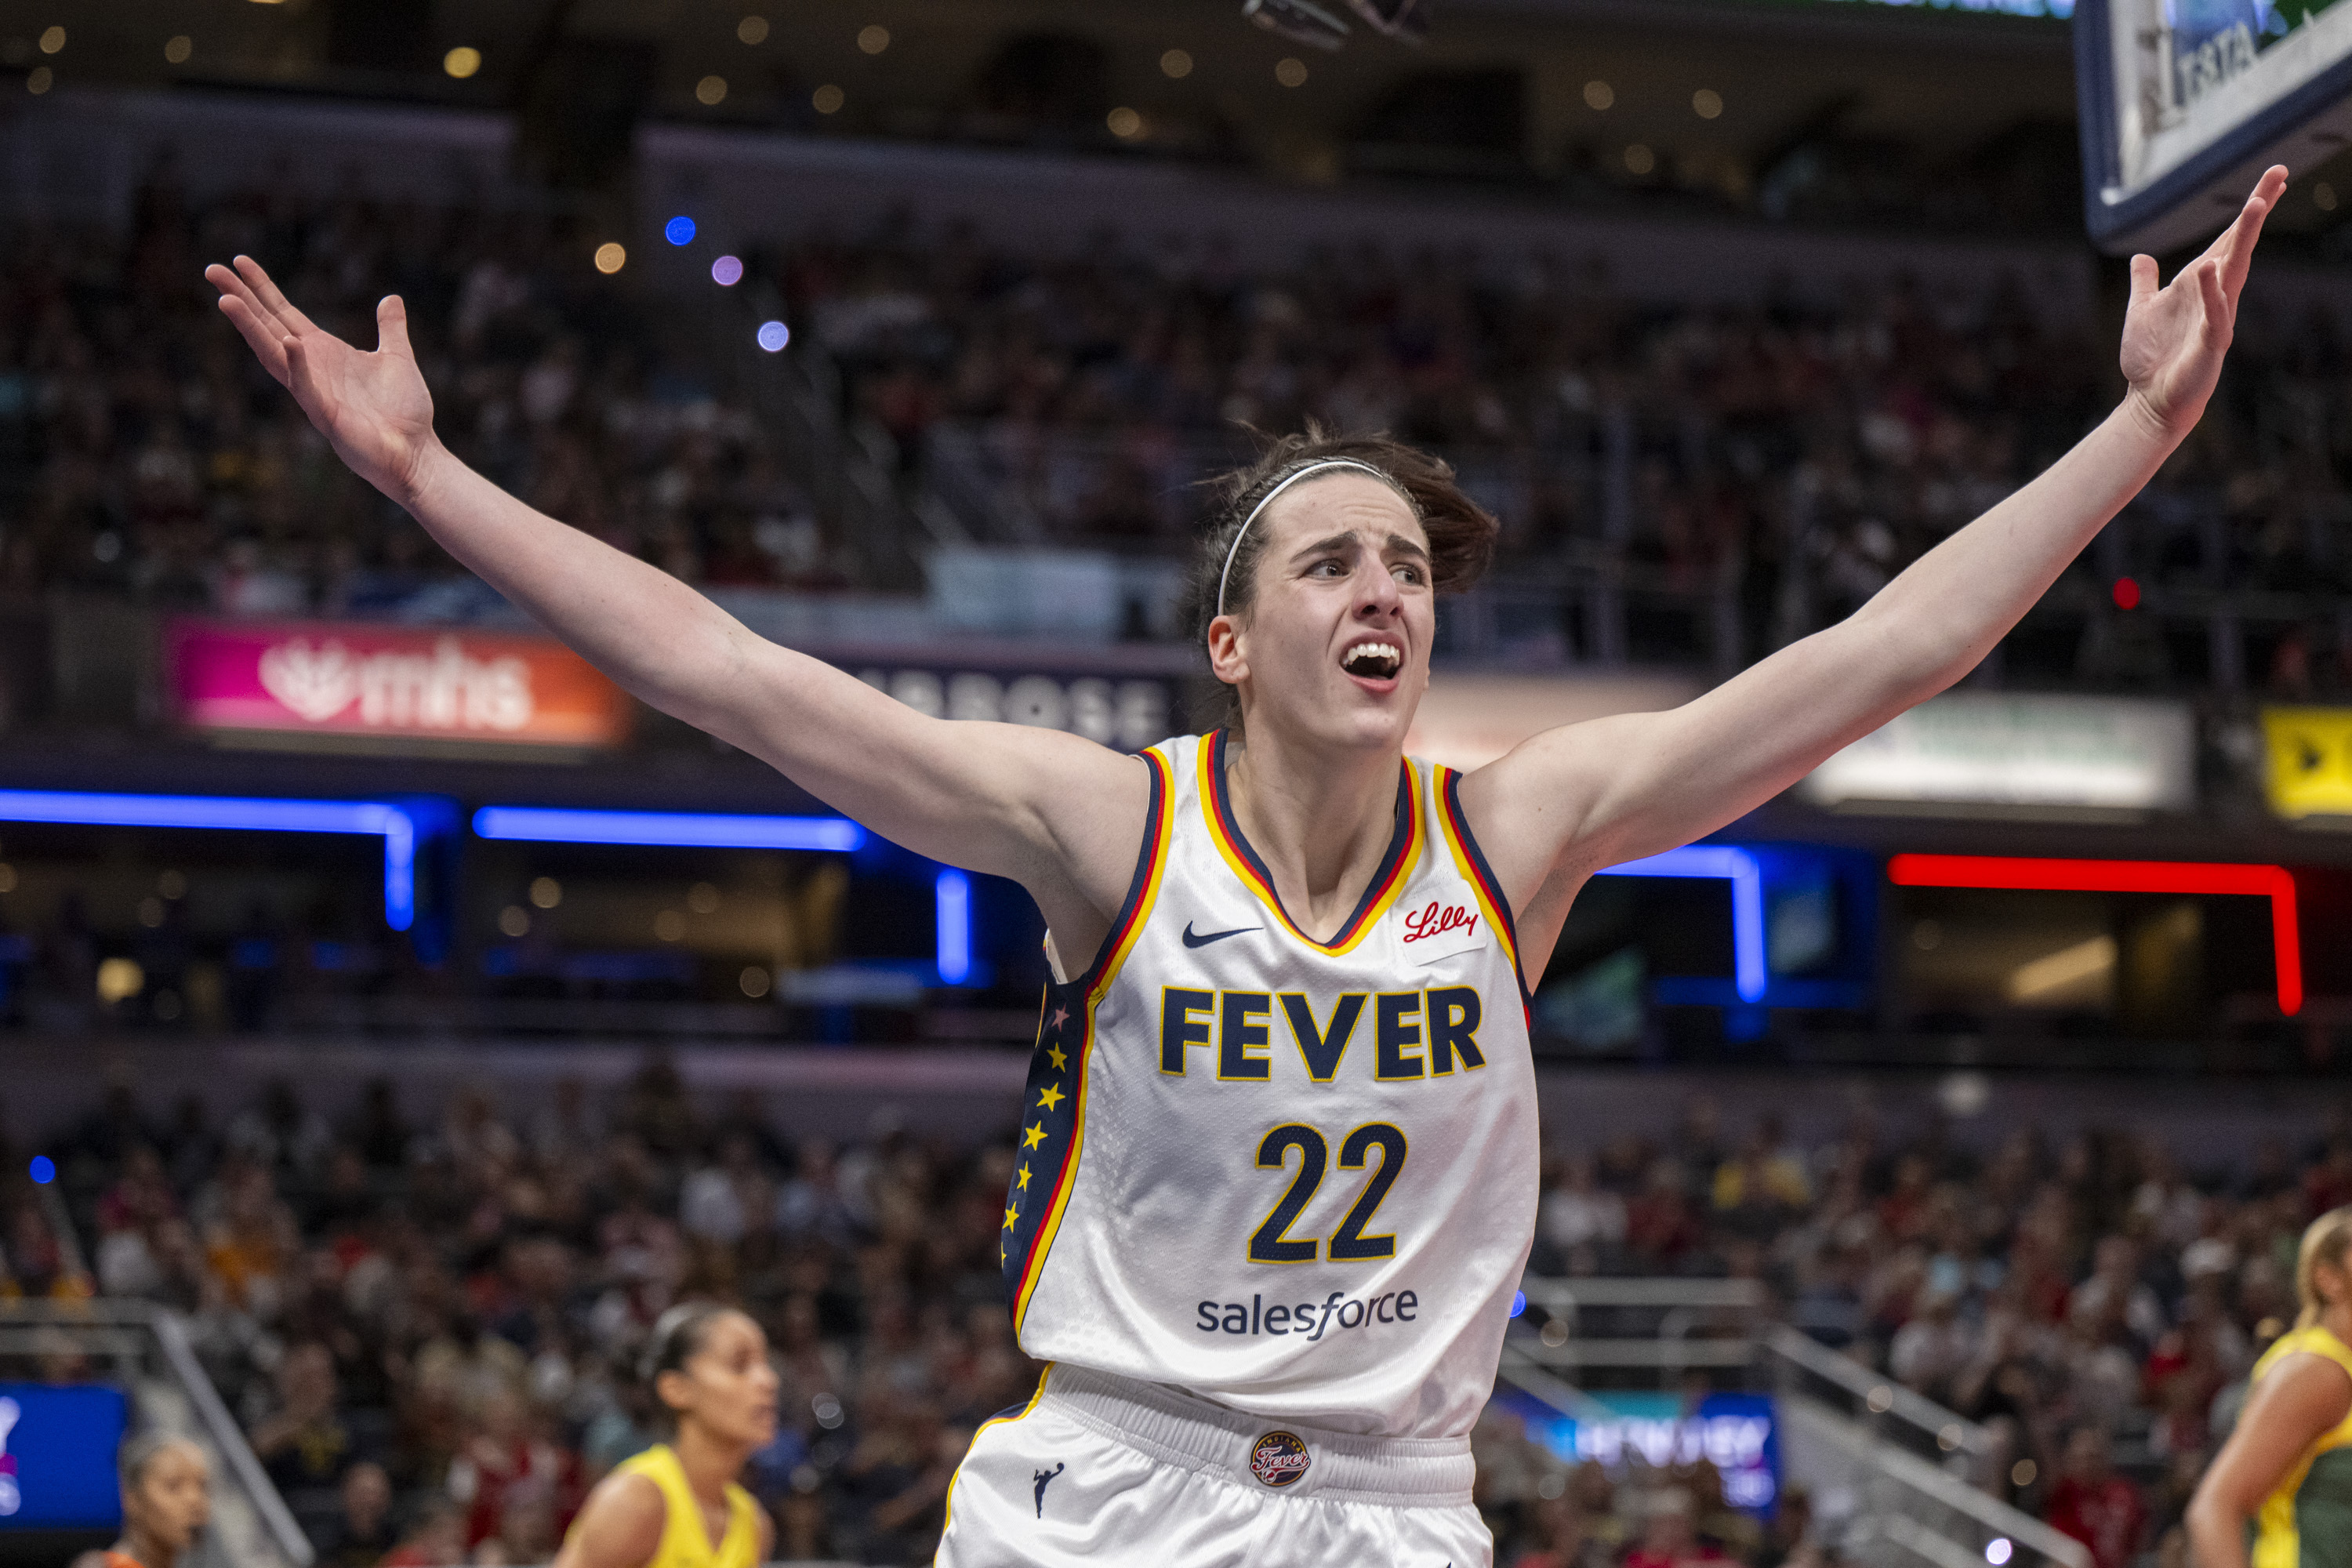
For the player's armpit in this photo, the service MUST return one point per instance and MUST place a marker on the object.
(620, 1525)
(1575, 799)
(1059, 814)
(2301, 1397)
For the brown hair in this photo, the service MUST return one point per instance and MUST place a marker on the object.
(1461, 531)
(2324, 1240)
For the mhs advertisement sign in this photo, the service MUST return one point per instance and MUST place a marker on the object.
(396, 682)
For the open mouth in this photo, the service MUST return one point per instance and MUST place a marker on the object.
(1373, 660)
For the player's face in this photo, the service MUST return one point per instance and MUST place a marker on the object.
(728, 1387)
(174, 1497)
(1335, 644)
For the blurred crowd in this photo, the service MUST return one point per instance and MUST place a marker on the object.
(429, 1322)
(153, 458)
(1792, 454)
(1796, 454)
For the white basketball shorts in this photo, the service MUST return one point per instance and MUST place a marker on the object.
(1098, 1470)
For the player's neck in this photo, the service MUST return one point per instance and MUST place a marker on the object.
(2338, 1320)
(144, 1548)
(709, 1463)
(1320, 819)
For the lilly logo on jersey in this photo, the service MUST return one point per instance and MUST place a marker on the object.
(1280, 1459)
(1421, 925)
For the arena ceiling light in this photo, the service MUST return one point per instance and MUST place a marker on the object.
(1737, 865)
(2051, 876)
(395, 825)
(672, 829)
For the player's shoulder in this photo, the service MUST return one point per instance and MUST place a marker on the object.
(623, 1521)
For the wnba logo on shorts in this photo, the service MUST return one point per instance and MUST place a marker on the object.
(1278, 1460)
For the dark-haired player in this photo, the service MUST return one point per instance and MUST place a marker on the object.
(167, 1500)
(1277, 1172)
(678, 1504)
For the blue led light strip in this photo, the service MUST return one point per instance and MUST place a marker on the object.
(1738, 867)
(392, 823)
(951, 896)
(675, 829)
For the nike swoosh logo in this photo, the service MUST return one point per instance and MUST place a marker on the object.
(1205, 938)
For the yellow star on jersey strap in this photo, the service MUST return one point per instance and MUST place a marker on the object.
(1024, 1182)
(1054, 1054)
(1032, 1136)
(1051, 1097)
(1011, 1215)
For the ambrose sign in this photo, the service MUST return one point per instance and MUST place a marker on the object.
(326, 677)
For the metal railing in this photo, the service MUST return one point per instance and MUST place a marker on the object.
(1908, 1510)
(145, 1350)
(1680, 1324)
(1906, 1464)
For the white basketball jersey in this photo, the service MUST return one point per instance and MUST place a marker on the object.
(1295, 1176)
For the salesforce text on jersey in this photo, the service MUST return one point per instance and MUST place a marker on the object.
(1338, 1310)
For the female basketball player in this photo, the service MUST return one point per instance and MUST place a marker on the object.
(2287, 1467)
(677, 1504)
(167, 1500)
(1277, 1173)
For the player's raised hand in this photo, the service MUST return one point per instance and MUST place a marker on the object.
(373, 407)
(2174, 337)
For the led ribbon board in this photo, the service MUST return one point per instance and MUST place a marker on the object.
(2012, 873)
(393, 824)
(1738, 867)
(951, 890)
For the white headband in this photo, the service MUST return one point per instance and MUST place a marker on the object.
(1267, 500)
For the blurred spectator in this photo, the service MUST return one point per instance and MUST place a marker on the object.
(2096, 1506)
(361, 1534)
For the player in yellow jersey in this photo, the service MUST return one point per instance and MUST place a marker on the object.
(2279, 1495)
(676, 1505)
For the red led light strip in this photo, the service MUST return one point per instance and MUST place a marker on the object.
(2271, 882)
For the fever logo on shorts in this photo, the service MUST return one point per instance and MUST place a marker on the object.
(1278, 1458)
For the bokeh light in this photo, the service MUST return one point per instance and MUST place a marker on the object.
(1640, 160)
(45, 1169)
(874, 40)
(177, 49)
(827, 99)
(752, 29)
(1175, 65)
(2127, 592)
(679, 230)
(462, 61)
(1125, 123)
(1290, 73)
(1706, 104)
(726, 271)
(1599, 95)
(610, 256)
(711, 91)
(775, 335)
(53, 41)
(37, 81)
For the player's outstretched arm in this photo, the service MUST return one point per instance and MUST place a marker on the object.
(1054, 811)
(1576, 799)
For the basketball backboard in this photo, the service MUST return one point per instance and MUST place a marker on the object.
(2184, 102)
